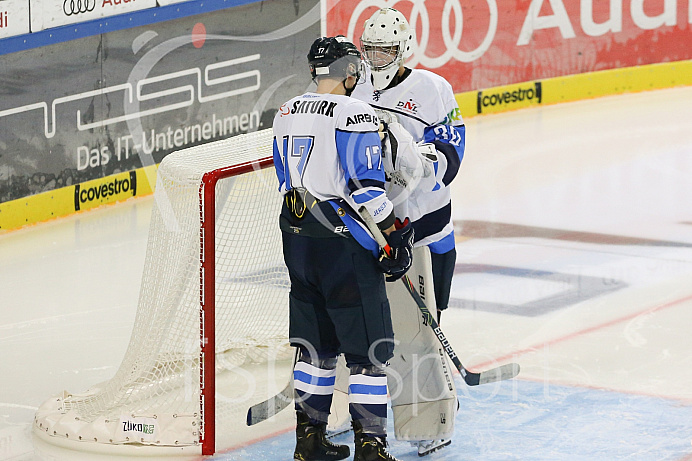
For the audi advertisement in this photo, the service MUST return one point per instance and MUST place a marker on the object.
(107, 104)
(14, 18)
(477, 44)
(46, 14)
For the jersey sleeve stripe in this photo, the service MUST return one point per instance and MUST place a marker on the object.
(357, 229)
(432, 223)
(365, 195)
(354, 185)
(453, 160)
(451, 142)
(279, 167)
(287, 170)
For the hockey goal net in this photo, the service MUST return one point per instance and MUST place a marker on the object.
(210, 334)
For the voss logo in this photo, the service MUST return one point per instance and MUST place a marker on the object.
(72, 7)
(85, 195)
(140, 93)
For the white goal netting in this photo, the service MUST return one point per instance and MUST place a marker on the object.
(154, 398)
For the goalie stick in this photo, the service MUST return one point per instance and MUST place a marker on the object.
(507, 371)
(265, 410)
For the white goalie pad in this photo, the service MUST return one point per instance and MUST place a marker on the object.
(419, 377)
(339, 417)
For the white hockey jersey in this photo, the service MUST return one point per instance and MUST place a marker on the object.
(425, 105)
(328, 144)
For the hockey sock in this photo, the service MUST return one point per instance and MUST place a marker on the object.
(314, 386)
(367, 391)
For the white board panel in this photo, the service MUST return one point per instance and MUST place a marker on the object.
(52, 13)
(14, 17)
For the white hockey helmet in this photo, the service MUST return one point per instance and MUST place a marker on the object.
(386, 41)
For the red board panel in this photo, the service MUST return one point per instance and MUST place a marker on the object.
(478, 44)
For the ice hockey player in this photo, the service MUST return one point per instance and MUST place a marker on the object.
(328, 163)
(420, 170)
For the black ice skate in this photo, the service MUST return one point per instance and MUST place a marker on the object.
(370, 448)
(312, 443)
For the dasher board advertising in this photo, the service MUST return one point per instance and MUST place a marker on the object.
(46, 14)
(14, 18)
(479, 44)
(111, 103)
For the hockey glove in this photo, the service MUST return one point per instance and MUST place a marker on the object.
(401, 158)
(385, 118)
(399, 261)
(429, 160)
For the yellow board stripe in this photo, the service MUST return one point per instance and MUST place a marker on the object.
(36, 208)
(575, 88)
(111, 189)
(80, 197)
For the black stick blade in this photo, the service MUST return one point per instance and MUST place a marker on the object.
(265, 410)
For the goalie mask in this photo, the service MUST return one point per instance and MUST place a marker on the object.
(335, 57)
(386, 41)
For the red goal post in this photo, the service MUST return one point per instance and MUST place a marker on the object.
(207, 273)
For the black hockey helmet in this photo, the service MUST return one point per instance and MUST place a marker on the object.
(334, 57)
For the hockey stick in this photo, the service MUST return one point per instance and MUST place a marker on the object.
(507, 371)
(265, 410)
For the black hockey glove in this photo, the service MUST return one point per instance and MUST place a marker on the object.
(399, 261)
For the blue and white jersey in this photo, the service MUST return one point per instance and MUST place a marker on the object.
(425, 105)
(328, 144)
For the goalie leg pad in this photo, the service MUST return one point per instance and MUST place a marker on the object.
(423, 396)
(419, 376)
(340, 418)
